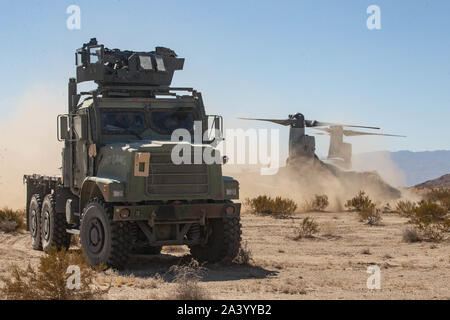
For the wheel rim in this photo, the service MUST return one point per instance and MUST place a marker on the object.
(33, 223)
(96, 236)
(46, 225)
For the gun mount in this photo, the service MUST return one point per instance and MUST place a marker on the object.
(113, 67)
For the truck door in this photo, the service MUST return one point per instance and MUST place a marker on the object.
(80, 153)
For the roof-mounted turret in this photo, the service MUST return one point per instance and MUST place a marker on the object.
(126, 68)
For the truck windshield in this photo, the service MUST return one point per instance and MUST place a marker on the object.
(166, 122)
(122, 122)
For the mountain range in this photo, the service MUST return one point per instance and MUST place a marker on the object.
(405, 168)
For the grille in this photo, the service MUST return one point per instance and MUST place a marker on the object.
(168, 178)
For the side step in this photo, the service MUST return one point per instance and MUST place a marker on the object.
(73, 231)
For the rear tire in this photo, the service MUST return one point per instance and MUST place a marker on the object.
(34, 221)
(103, 240)
(223, 242)
(53, 226)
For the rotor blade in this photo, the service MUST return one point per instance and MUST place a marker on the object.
(327, 130)
(350, 133)
(285, 122)
(315, 123)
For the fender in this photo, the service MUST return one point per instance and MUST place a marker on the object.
(110, 189)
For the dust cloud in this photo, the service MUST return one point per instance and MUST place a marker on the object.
(382, 163)
(303, 181)
(28, 145)
(28, 142)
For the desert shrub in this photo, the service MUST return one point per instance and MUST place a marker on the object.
(11, 220)
(50, 280)
(411, 235)
(318, 203)
(277, 207)
(307, 229)
(244, 256)
(431, 221)
(186, 278)
(370, 214)
(366, 209)
(387, 208)
(405, 208)
(260, 204)
(441, 196)
(361, 200)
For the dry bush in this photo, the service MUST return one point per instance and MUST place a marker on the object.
(307, 229)
(151, 282)
(361, 200)
(441, 196)
(411, 235)
(277, 207)
(244, 256)
(50, 280)
(186, 278)
(370, 214)
(405, 208)
(11, 220)
(387, 208)
(431, 221)
(318, 203)
(366, 209)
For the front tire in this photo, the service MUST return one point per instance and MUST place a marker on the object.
(34, 221)
(53, 226)
(103, 240)
(223, 242)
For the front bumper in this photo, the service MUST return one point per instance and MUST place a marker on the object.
(176, 213)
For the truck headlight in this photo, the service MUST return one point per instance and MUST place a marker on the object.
(230, 191)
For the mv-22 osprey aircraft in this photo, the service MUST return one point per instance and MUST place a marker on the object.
(302, 146)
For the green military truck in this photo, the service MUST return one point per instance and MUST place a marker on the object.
(120, 189)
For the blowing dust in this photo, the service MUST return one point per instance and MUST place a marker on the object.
(383, 164)
(302, 182)
(28, 143)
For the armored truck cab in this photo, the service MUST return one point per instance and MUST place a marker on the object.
(138, 169)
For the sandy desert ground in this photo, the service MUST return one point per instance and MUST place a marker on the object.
(333, 265)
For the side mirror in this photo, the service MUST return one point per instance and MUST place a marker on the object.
(63, 127)
(217, 123)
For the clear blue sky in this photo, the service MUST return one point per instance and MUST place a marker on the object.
(259, 58)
